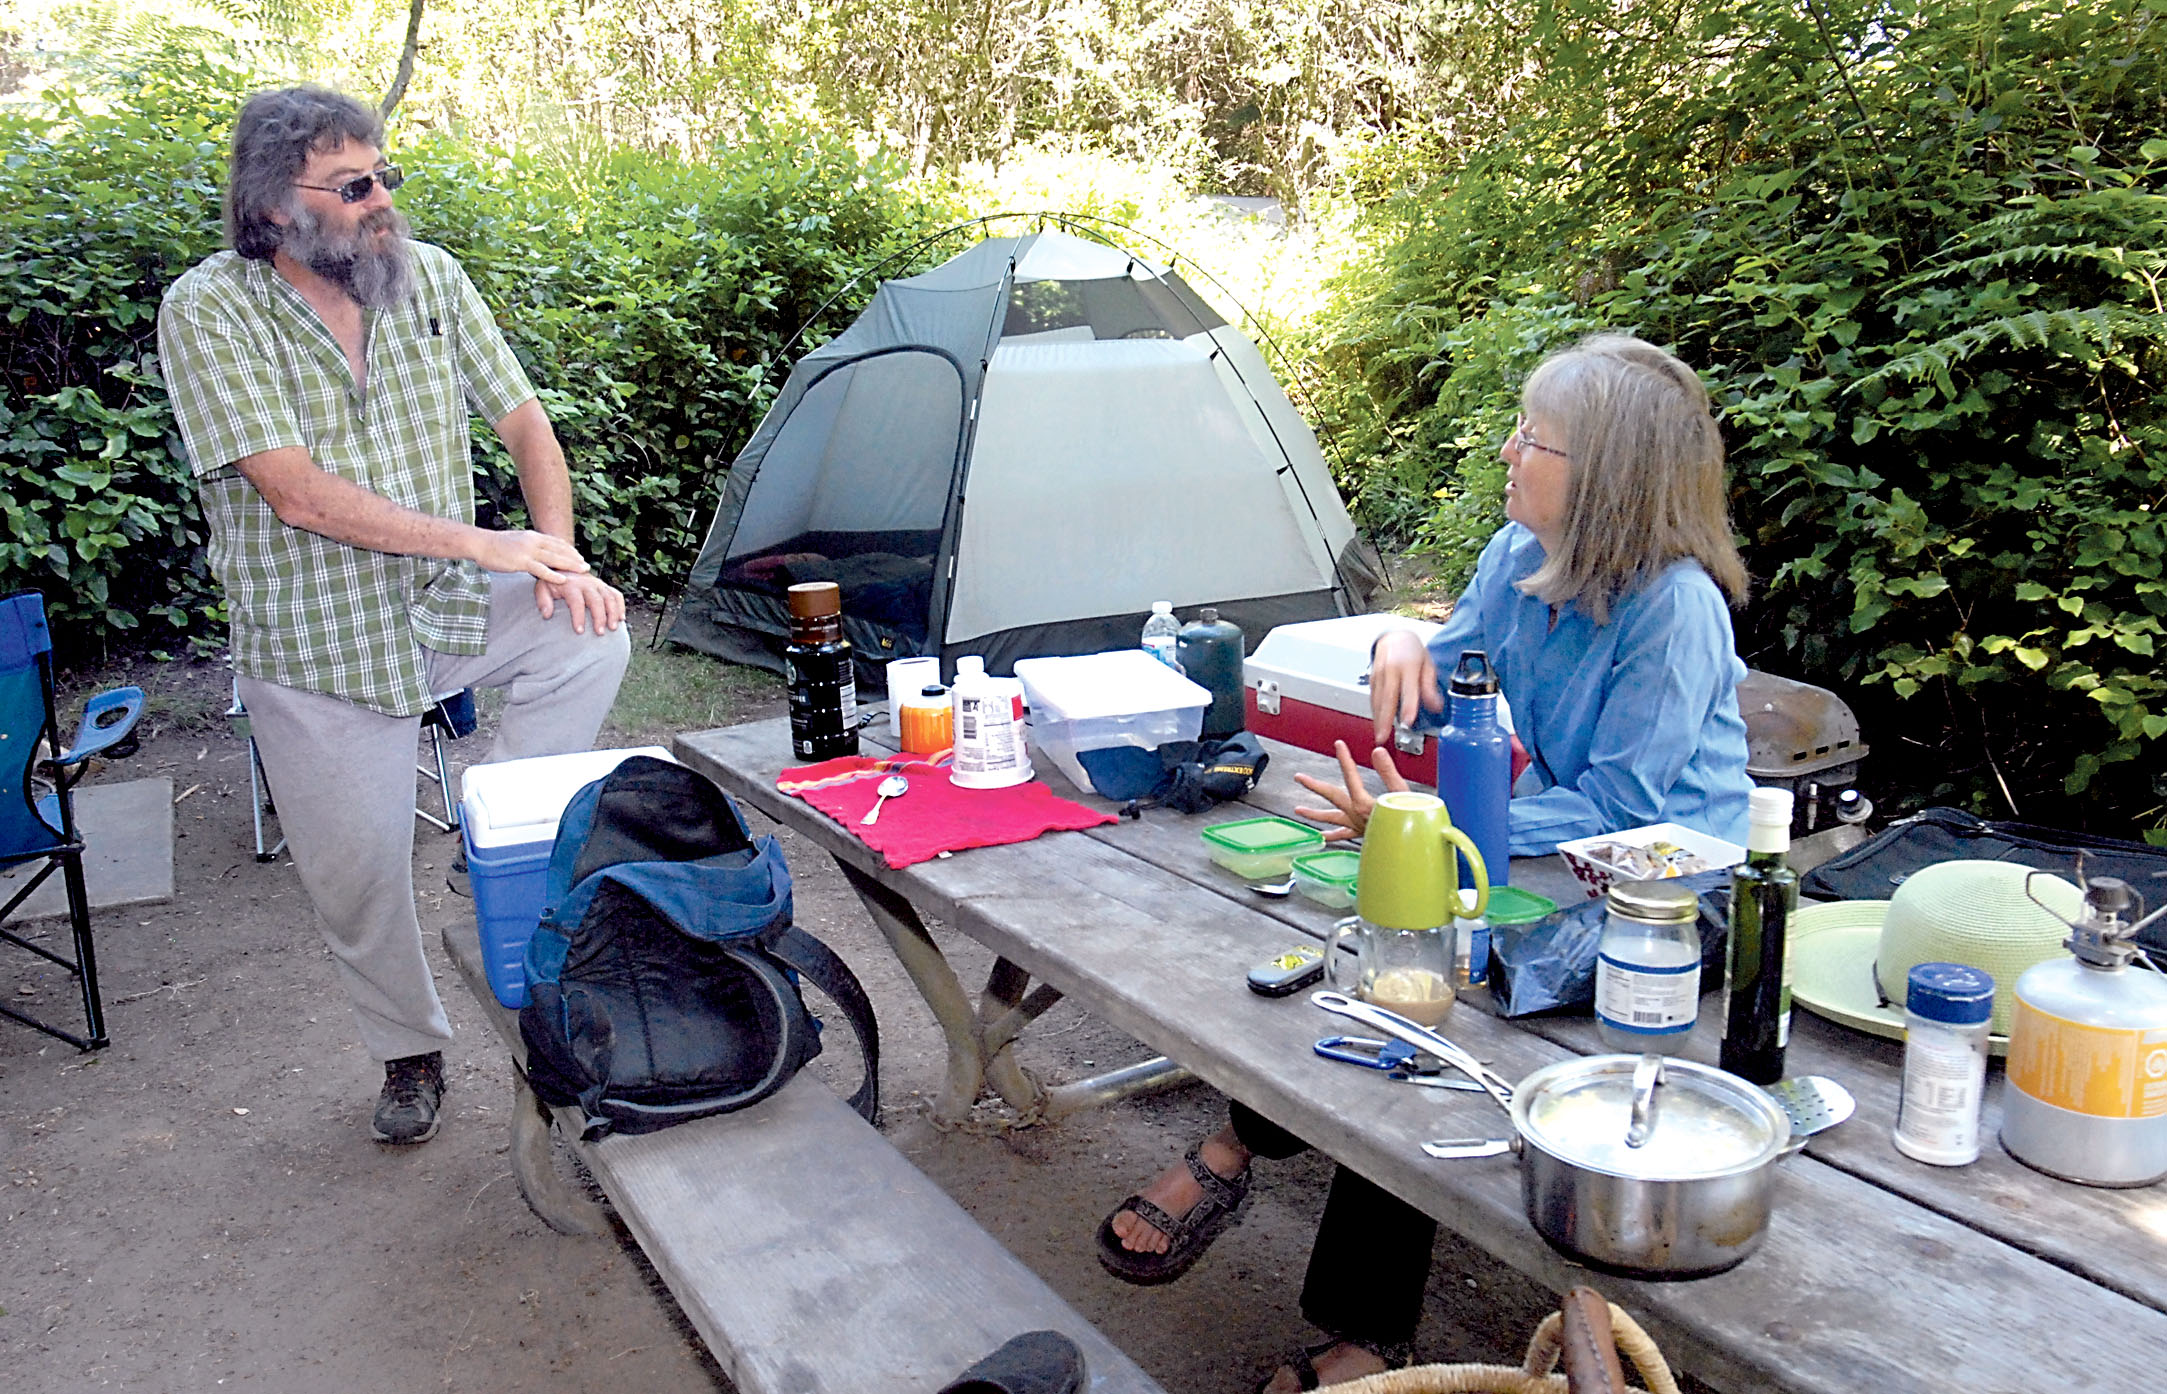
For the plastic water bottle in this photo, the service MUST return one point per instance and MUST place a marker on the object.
(1162, 632)
(1474, 766)
(1647, 967)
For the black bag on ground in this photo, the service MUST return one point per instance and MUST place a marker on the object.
(1876, 867)
(662, 980)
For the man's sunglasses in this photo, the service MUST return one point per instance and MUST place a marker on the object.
(358, 188)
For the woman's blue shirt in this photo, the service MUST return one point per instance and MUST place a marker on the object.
(1630, 722)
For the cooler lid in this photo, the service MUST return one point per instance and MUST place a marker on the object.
(512, 801)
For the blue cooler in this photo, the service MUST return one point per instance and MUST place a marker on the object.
(508, 816)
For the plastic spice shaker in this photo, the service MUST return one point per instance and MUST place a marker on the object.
(1947, 1010)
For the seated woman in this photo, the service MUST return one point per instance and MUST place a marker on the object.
(1604, 605)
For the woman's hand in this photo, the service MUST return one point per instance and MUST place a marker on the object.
(1402, 680)
(1349, 813)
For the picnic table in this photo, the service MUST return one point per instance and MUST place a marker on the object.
(1878, 1273)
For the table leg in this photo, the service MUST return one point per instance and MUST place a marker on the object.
(534, 1168)
(936, 983)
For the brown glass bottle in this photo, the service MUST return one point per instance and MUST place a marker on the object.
(817, 666)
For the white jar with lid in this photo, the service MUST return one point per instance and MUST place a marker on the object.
(1647, 967)
(989, 734)
(1947, 1010)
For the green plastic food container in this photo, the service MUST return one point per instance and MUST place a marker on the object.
(1328, 877)
(1260, 848)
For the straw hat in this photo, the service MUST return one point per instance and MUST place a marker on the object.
(1850, 959)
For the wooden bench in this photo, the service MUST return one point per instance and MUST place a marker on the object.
(810, 1254)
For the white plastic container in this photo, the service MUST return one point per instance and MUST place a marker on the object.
(1583, 854)
(1096, 700)
(508, 815)
(992, 751)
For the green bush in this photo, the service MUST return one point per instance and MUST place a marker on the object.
(98, 214)
(1915, 253)
(652, 300)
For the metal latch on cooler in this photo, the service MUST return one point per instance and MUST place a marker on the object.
(1267, 697)
(1408, 739)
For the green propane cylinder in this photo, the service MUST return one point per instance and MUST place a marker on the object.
(1211, 653)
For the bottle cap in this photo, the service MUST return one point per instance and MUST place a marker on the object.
(1162, 607)
(932, 689)
(971, 663)
(1769, 807)
(1473, 676)
(815, 600)
(1208, 615)
(1950, 992)
(1662, 902)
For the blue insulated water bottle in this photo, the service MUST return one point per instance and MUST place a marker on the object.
(1474, 765)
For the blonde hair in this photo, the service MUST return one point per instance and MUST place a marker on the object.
(1645, 487)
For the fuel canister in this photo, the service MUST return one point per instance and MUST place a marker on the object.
(2087, 1073)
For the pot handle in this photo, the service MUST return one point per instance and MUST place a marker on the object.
(1452, 1148)
(1647, 1074)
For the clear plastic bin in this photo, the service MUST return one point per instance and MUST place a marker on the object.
(1095, 700)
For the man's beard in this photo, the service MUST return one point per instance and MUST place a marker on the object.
(376, 270)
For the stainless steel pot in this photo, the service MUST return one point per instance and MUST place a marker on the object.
(1690, 1200)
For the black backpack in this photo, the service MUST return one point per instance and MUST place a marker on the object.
(661, 982)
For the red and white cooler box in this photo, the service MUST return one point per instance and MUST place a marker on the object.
(1308, 685)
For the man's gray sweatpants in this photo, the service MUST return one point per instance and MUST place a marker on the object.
(342, 777)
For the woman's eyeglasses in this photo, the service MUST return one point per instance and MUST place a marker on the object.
(359, 187)
(1521, 438)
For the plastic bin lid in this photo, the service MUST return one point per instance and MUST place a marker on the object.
(1253, 835)
(521, 800)
(1338, 866)
(1511, 905)
(1123, 682)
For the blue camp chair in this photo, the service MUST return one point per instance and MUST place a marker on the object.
(34, 828)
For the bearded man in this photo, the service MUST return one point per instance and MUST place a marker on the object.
(321, 373)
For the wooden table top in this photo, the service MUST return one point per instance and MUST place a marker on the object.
(1878, 1273)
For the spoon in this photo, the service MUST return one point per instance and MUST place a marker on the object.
(1273, 888)
(888, 788)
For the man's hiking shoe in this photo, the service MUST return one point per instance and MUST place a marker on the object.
(413, 1091)
(456, 878)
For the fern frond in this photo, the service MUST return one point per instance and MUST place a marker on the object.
(2123, 261)
(2102, 326)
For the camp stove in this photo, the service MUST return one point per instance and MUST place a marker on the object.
(1804, 739)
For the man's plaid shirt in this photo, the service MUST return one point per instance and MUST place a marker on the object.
(251, 367)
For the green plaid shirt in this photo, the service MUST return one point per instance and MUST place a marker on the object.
(251, 368)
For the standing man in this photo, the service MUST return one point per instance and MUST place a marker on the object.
(321, 372)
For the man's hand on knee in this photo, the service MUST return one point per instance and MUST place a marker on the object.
(587, 597)
(550, 560)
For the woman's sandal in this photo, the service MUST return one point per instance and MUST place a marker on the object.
(1397, 1355)
(1188, 1236)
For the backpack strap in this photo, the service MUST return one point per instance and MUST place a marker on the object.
(796, 949)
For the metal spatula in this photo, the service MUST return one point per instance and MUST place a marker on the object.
(1815, 1103)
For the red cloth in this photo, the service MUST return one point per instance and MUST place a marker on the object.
(935, 816)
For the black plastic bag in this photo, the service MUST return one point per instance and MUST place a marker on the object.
(1548, 965)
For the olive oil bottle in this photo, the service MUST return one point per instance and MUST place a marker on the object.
(1757, 969)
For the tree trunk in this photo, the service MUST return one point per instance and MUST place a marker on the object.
(406, 60)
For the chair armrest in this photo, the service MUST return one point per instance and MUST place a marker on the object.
(107, 720)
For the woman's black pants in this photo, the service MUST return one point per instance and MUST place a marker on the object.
(1371, 1259)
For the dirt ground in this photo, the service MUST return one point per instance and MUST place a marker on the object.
(199, 1206)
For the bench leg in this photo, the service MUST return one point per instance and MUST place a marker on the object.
(534, 1168)
(936, 982)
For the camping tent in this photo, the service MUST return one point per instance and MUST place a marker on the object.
(1015, 454)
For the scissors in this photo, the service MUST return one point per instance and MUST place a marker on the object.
(1397, 1059)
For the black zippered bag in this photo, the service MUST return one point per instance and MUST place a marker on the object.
(1876, 867)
